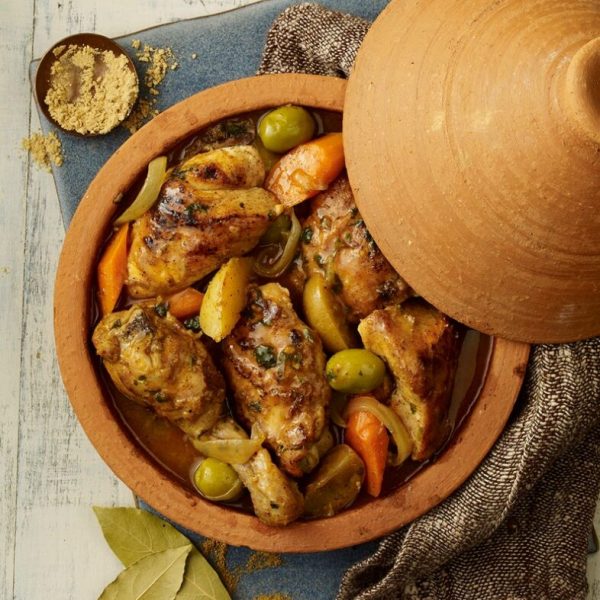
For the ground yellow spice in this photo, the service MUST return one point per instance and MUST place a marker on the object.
(91, 90)
(44, 149)
(216, 552)
(159, 60)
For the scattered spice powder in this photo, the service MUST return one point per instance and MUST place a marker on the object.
(91, 90)
(159, 60)
(44, 149)
(216, 553)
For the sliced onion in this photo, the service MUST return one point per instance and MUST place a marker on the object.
(232, 452)
(271, 261)
(391, 421)
(149, 193)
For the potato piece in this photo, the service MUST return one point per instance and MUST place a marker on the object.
(225, 298)
(336, 483)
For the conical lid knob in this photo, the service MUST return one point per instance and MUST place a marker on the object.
(472, 134)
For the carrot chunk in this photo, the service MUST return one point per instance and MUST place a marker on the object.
(112, 270)
(307, 169)
(368, 437)
(186, 303)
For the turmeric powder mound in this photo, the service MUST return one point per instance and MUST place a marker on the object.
(216, 553)
(91, 90)
(44, 149)
(159, 61)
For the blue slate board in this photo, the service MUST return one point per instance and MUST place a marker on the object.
(229, 46)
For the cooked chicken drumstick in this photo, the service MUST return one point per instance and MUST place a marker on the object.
(275, 498)
(275, 365)
(338, 246)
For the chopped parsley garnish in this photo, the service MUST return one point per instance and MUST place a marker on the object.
(161, 309)
(325, 223)
(307, 234)
(255, 406)
(319, 260)
(234, 128)
(265, 356)
(193, 324)
(195, 207)
(160, 397)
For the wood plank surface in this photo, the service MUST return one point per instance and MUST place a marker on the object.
(50, 545)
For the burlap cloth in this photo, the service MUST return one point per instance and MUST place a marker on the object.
(519, 527)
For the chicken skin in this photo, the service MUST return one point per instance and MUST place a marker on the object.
(209, 209)
(153, 360)
(276, 368)
(420, 346)
(338, 246)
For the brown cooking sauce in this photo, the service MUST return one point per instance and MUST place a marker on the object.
(168, 445)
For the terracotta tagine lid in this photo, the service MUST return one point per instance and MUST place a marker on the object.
(472, 134)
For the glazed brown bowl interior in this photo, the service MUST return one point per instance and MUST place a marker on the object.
(136, 468)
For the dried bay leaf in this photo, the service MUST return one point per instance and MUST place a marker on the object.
(133, 534)
(154, 577)
(200, 581)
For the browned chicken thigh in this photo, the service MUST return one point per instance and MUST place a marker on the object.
(276, 367)
(420, 346)
(209, 209)
(338, 246)
(155, 361)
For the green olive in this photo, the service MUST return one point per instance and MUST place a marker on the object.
(335, 484)
(355, 371)
(217, 481)
(286, 127)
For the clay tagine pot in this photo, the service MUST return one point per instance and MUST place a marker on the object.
(472, 136)
(73, 322)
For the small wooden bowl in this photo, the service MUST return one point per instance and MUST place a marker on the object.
(44, 70)
(136, 468)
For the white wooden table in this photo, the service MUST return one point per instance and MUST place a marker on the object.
(50, 545)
